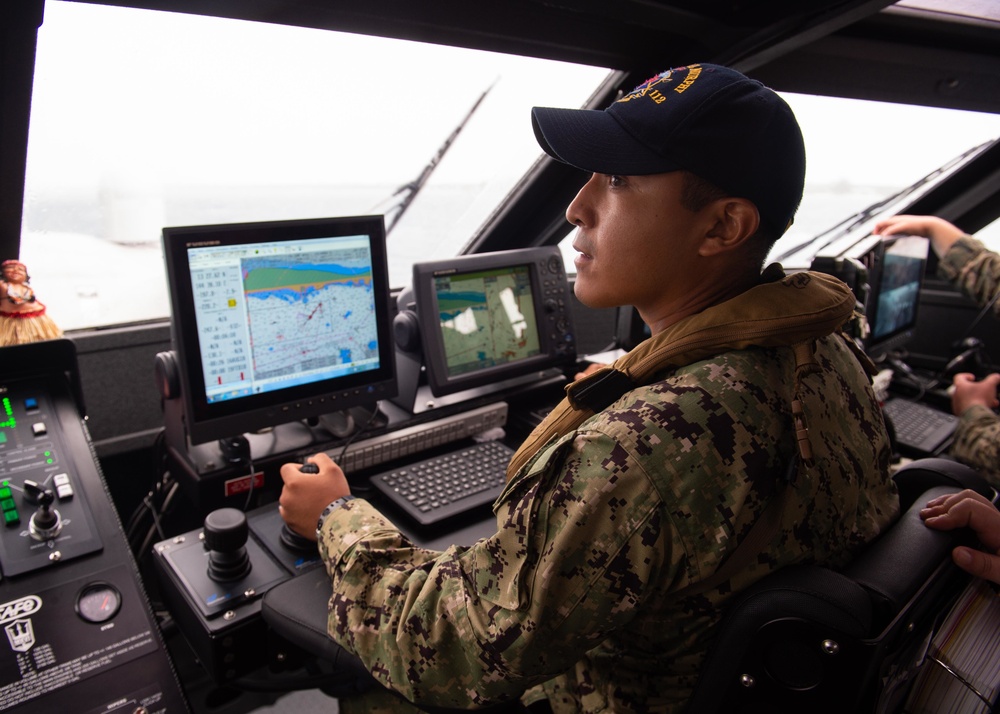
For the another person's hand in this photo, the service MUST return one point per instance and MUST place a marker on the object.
(942, 234)
(968, 509)
(305, 495)
(588, 370)
(968, 392)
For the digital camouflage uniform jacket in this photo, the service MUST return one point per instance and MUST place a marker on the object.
(976, 271)
(597, 533)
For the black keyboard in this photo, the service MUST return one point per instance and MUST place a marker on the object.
(920, 428)
(448, 485)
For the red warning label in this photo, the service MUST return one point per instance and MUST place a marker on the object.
(242, 484)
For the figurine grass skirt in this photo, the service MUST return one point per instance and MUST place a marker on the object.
(18, 328)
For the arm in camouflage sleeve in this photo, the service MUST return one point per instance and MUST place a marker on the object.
(974, 269)
(964, 260)
(977, 442)
(580, 540)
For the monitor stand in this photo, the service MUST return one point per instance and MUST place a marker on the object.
(416, 398)
(424, 401)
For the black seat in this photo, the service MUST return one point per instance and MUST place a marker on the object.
(296, 611)
(809, 639)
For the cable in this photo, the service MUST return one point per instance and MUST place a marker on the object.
(246, 505)
(159, 469)
(358, 432)
(981, 315)
(156, 519)
(906, 372)
(155, 529)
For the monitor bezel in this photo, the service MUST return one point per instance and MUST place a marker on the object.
(205, 420)
(556, 347)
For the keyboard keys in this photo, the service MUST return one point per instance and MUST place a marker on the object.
(444, 486)
(919, 427)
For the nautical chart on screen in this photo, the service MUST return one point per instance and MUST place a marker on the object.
(269, 319)
(487, 318)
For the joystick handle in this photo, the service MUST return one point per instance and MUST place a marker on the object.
(45, 523)
(289, 538)
(45, 519)
(226, 529)
(226, 533)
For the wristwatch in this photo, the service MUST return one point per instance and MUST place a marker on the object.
(330, 509)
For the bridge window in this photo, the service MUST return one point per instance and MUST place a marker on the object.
(142, 119)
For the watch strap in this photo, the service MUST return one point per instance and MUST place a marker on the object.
(330, 509)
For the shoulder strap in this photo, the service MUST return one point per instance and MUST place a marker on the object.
(797, 308)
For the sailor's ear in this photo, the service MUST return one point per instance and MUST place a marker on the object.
(733, 222)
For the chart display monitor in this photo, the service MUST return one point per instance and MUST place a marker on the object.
(279, 321)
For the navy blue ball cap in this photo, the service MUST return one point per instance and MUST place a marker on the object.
(707, 119)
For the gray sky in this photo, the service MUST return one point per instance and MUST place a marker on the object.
(217, 95)
(224, 99)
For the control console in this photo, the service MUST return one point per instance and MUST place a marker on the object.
(78, 631)
(46, 517)
(214, 578)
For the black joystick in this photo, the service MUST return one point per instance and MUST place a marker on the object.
(289, 538)
(45, 523)
(226, 533)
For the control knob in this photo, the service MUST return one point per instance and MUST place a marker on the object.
(226, 533)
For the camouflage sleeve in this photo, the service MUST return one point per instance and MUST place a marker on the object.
(974, 269)
(977, 442)
(579, 541)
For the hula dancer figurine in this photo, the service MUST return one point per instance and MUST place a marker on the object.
(22, 317)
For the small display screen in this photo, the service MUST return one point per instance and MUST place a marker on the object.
(899, 286)
(486, 318)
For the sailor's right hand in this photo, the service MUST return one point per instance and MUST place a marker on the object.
(305, 495)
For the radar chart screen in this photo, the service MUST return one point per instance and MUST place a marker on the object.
(274, 315)
(486, 318)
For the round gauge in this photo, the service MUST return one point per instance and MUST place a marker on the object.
(98, 602)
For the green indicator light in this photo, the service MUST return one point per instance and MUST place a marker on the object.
(49, 461)
(47, 454)
(11, 421)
